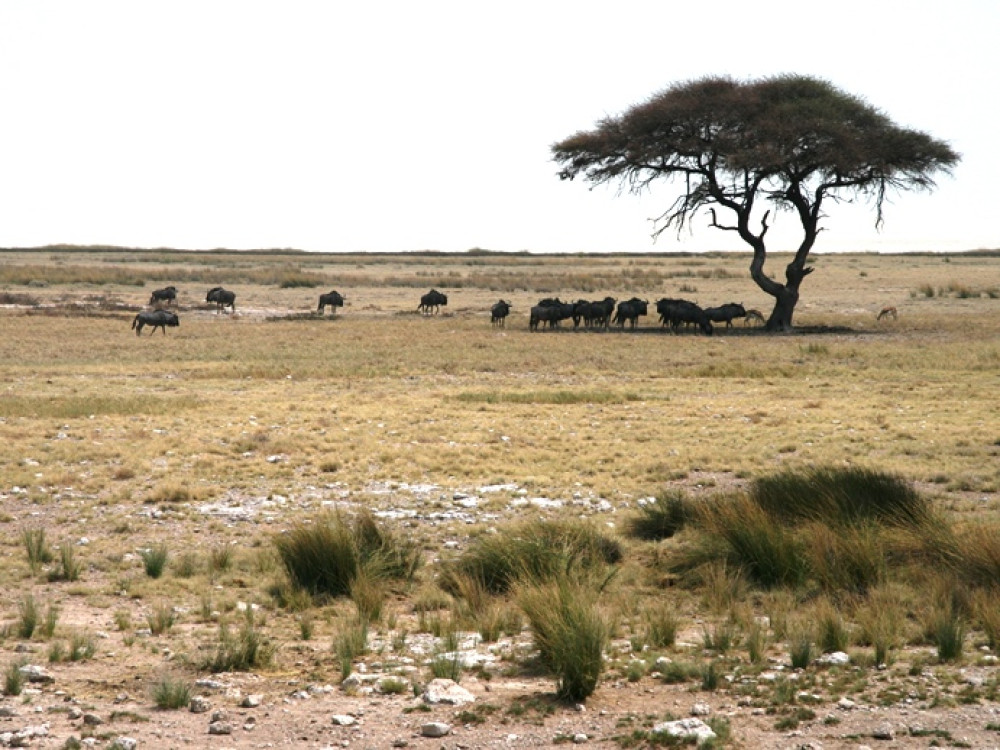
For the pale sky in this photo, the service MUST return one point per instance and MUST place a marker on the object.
(422, 124)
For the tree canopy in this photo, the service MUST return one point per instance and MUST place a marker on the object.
(786, 143)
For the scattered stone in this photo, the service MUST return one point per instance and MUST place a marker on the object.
(122, 743)
(579, 738)
(884, 732)
(435, 729)
(343, 720)
(701, 709)
(662, 664)
(252, 701)
(34, 673)
(399, 742)
(686, 728)
(210, 684)
(92, 720)
(199, 704)
(220, 727)
(8, 712)
(448, 692)
(835, 658)
(846, 704)
(219, 715)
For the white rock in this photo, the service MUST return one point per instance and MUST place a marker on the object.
(448, 692)
(435, 729)
(34, 673)
(696, 728)
(836, 658)
(343, 720)
(701, 709)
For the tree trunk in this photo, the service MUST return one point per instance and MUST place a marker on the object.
(784, 308)
(786, 296)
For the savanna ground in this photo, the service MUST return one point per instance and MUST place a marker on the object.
(211, 441)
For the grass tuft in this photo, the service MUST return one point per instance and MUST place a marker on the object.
(327, 556)
(536, 551)
(570, 633)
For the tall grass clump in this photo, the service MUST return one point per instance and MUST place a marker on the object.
(570, 633)
(171, 693)
(325, 557)
(881, 621)
(660, 519)
(27, 619)
(944, 626)
(13, 678)
(848, 559)
(69, 567)
(660, 625)
(832, 631)
(154, 560)
(840, 496)
(976, 558)
(350, 643)
(754, 541)
(248, 649)
(36, 548)
(534, 551)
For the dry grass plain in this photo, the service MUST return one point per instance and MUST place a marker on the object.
(229, 429)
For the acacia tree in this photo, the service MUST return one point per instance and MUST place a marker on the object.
(789, 142)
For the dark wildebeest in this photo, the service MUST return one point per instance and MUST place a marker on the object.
(726, 313)
(166, 295)
(499, 313)
(601, 312)
(432, 302)
(334, 299)
(155, 319)
(630, 310)
(222, 298)
(673, 312)
(547, 311)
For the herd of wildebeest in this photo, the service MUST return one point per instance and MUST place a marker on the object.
(548, 313)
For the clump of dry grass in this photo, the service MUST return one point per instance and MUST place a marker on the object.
(327, 556)
(534, 551)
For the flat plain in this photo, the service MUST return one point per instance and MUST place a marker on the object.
(214, 438)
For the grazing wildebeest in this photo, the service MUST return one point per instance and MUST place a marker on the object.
(726, 313)
(548, 310)
(630, 310)
(222, 298)
(673, 312)
(499, 313)
(334, 299)
(166, 295)
(887, 312)
(155, 319)
(432, 302)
